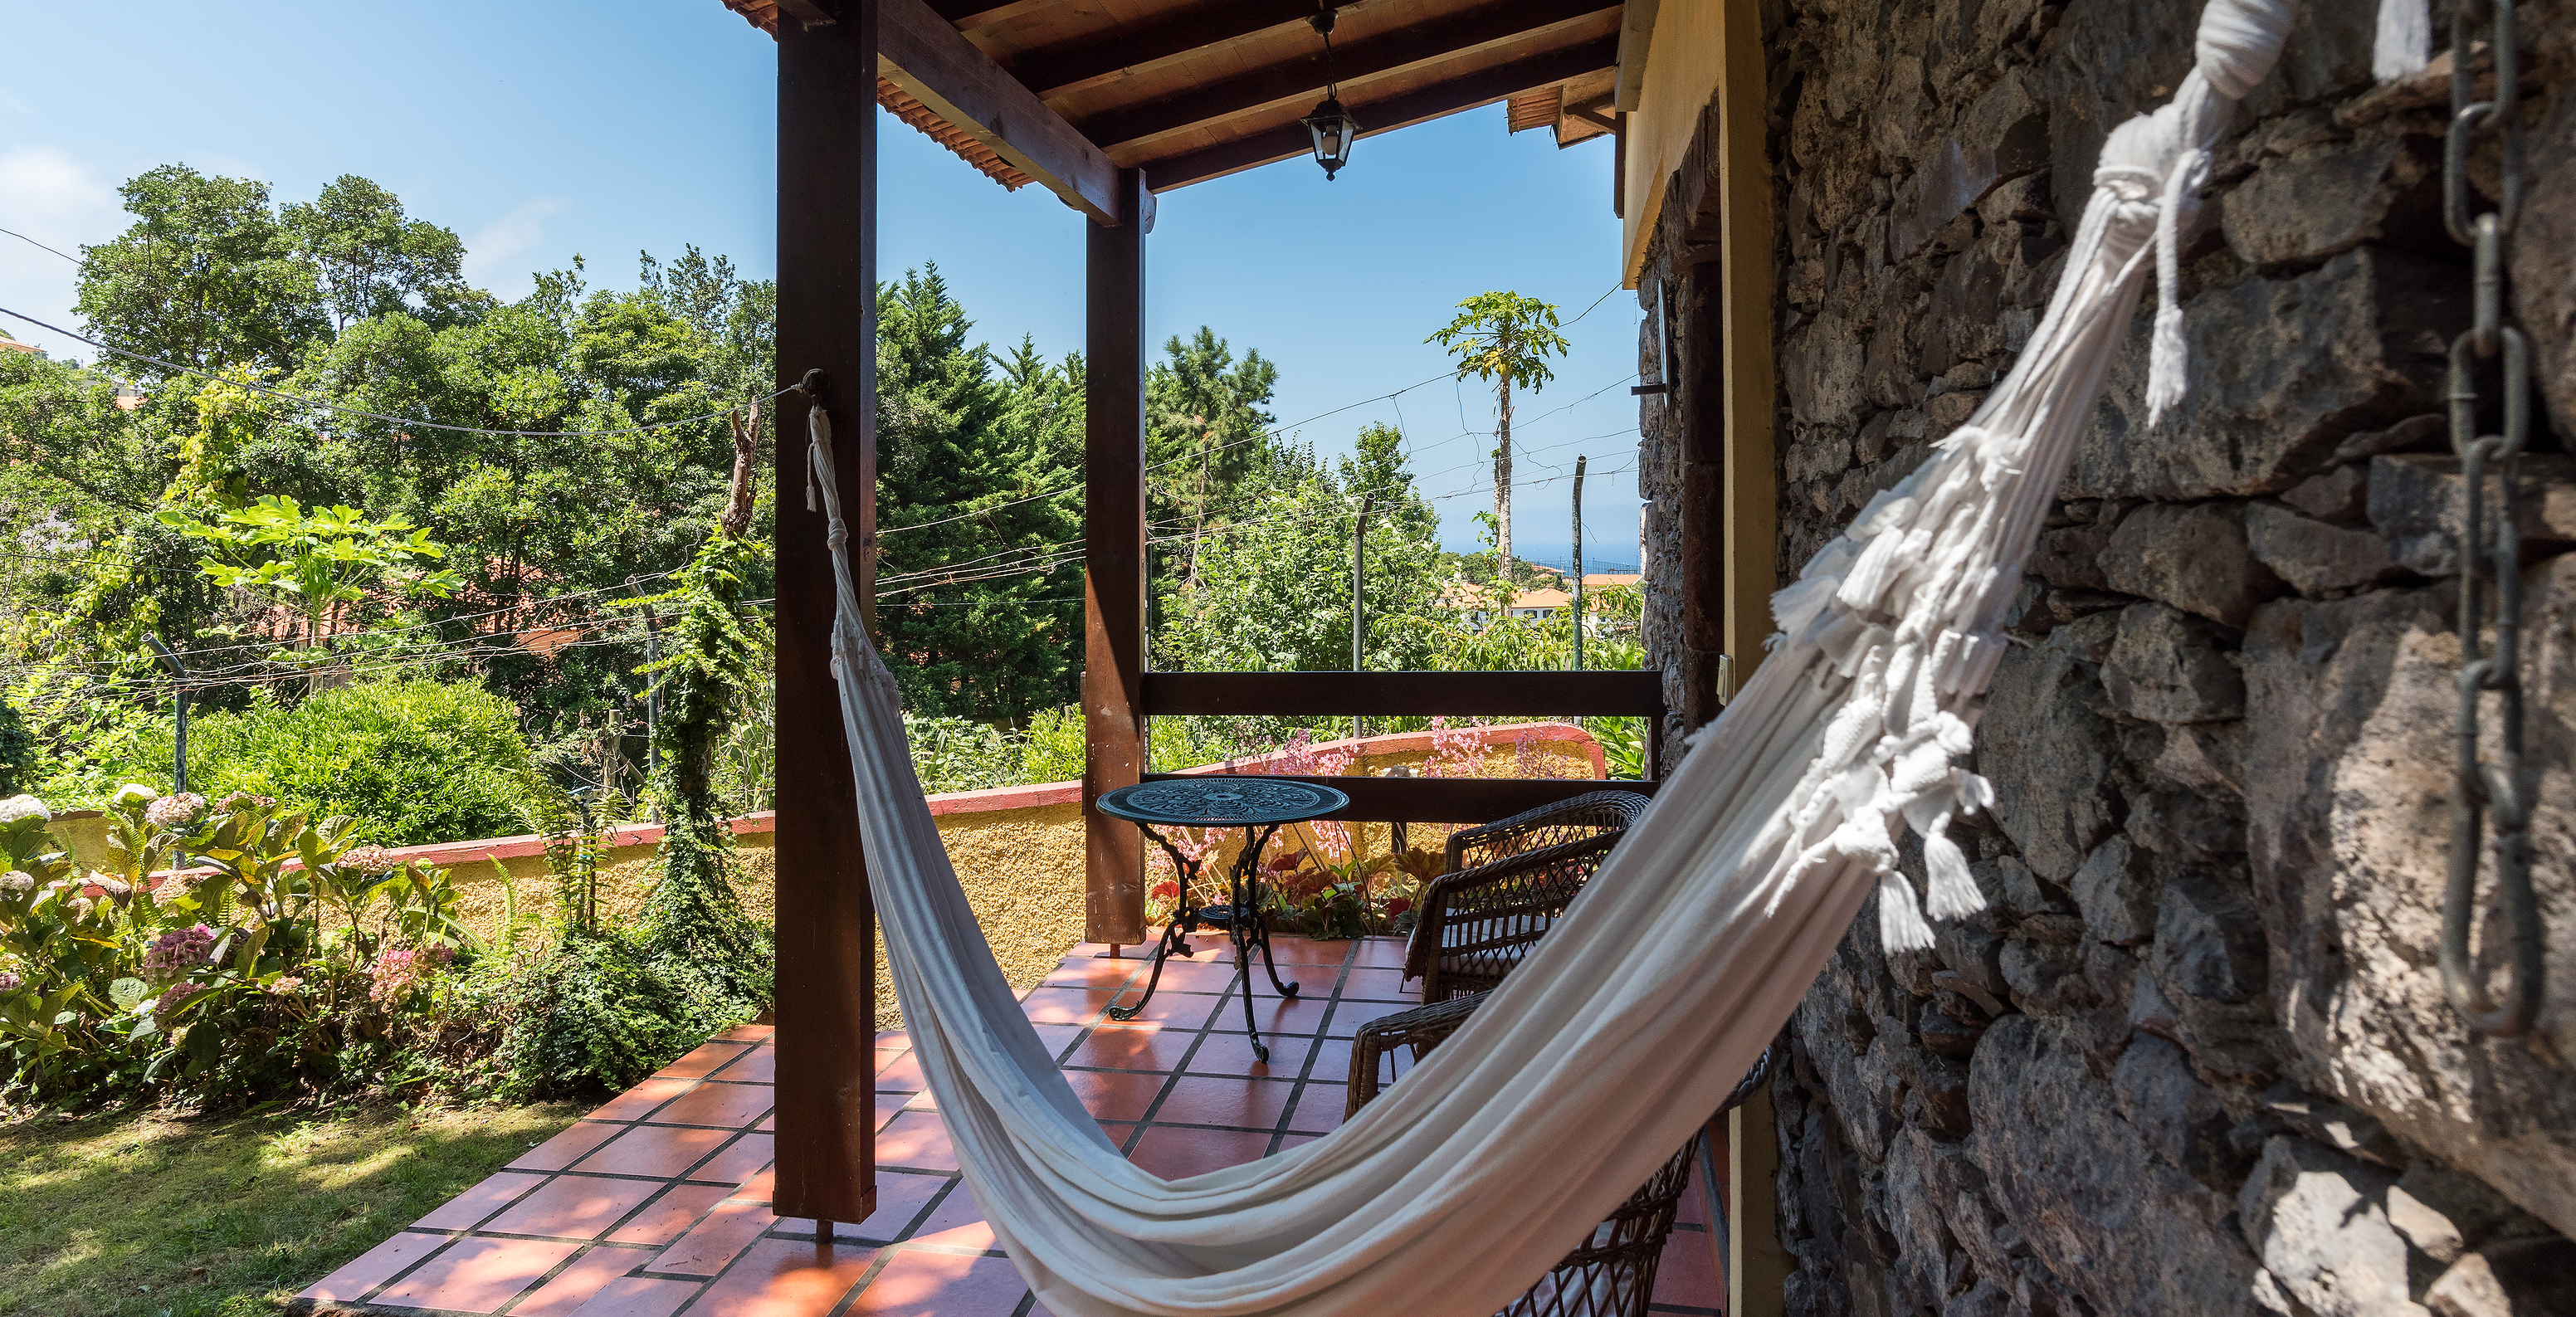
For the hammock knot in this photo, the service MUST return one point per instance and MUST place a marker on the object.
(2238, 42)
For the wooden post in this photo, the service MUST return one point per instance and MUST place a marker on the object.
(1113, 532)
(1701, 398)
(827, 196)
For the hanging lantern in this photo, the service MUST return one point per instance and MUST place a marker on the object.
(1331, 126)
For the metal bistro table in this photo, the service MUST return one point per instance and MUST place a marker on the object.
(1259, 806)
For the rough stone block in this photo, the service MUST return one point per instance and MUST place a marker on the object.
(2319, 1221)
(2050, 756)
(2542, 258)
(2003, 135)
(2167, 667)
(2321, 202)
(2341, 496)
(2180, 1117)
(2101, 1211)
(2118, 890)
(2518, 1278)
(2419, 502)
(2315, 557)
(2349, 710)
(2281, 371)
(2195, 557)
(2201, 756)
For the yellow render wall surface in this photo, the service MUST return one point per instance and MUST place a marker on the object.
(1683, 63)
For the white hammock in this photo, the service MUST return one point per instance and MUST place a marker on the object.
(1687, 951)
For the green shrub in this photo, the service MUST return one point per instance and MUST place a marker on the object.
(411, 760)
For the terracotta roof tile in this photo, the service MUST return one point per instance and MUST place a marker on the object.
(763, 14)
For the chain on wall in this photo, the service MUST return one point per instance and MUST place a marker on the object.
(2489, 792)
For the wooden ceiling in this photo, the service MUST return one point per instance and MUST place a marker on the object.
(1189, 90)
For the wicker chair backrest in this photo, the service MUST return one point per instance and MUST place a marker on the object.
(1586, 815)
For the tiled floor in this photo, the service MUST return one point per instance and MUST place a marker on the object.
(658, 1203)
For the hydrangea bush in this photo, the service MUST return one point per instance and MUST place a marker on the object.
(238, 951)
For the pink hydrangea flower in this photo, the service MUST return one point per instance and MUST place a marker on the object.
(179, 950)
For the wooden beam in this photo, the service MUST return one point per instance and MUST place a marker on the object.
(933, 62)
(1113, 532)
(1441, 799)
(1405, 694)
(1752, 390)
(826, 977)
(1302, 76)
(1383, 115)
(1051, 69)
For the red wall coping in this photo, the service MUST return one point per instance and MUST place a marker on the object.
(526, 845)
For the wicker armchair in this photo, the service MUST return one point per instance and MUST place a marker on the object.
(1611, 1274)
(1504, 886)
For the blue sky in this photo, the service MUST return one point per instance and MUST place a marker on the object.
(604, 129)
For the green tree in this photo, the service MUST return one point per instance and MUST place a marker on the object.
(1505, 338)
(317, 561)
(207, 276)
(979, 608)
(1274, 589)
(370, 259)
(1207, 440)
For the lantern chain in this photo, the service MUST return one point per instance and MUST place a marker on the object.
(2490, 793)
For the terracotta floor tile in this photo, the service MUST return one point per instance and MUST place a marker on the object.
(1174, 1010)
(467, 1210)
(900, 1198)
(1230, 1053)
(890, 1103)
(894, 1038)
(1172, 1152)
(1371, 984)
(1065, 1005)
(1196, 975)
(640, 1296)
(668, 1217)
(922, 1101)
(1332, 1059)
(757, 1066)
(749, 1033)
(1380, 952)
(1287, 1141)
(1688, 1274)
(704, 1060)
(1242, 1103)
(573, 1207)
(476, 1275)
(576, 1284)
(740, 1160)
(724, 1106)
(921, 1284)
(899, 1072)
(759, 1188)
(1350, 1015)
(1290, 949)
(1284, 1015)
(373, 1267)
(1057, 1037)
(715, 1241)
(918, 1140)
(568, 1147)
(634, 1102)
(1115, 1094)
(958, 1222)
(1088, 972)
(768, 1122)
(1117, 1132)
(787, 1278)
(662, 1151)
(1133, 1047)
(1693, 1208)
(1319, 1108)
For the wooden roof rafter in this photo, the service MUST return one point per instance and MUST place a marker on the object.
(1066, 92)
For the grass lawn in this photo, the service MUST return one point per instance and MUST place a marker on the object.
(149, 1216)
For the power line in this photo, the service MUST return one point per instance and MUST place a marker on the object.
(338, 410)
(33, 243)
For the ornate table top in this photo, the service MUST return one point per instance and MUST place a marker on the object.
(1222, 802)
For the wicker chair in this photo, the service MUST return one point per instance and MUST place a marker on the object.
(1503, 887)
(1611, 1274)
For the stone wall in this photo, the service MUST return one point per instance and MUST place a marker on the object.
(2195, 1058)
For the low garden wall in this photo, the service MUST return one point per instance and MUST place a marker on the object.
(1017, 850)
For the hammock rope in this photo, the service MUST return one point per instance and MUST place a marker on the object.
(1691, 946)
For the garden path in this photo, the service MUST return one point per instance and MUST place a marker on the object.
(657, 1204)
